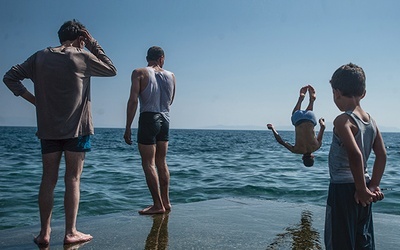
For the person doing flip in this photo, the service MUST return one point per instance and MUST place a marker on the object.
(304, 121)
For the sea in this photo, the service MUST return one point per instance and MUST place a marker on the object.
(204, 165)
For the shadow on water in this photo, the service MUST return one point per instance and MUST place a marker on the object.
(158, 236)
(301, 236)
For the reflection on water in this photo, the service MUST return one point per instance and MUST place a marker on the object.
(66, 247)
(301, 236)
(158, 236)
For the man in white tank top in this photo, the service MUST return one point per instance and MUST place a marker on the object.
(154, 88)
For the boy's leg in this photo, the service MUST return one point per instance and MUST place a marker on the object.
(51, 164)
(365, 228)
(313, 96)
(74, 166)
(303, 92)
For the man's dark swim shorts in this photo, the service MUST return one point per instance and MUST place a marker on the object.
(78, 144)
(153, 127)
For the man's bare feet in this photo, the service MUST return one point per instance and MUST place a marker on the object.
(312, 93)
(77, 237)
(42, 241)
(168, 207)
(152, 210)
(303, 91)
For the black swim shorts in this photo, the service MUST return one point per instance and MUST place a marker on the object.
(348, 225)
(153, 127)
(78, 144)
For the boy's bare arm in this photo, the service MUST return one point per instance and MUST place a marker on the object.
(343, 129)
(379, 166)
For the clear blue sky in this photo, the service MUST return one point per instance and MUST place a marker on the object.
(239, 63)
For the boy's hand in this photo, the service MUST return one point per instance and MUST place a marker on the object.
(365, 197)
(377, 191)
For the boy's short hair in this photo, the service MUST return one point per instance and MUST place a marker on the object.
(70, 31)
(349, 79)
(154, 53)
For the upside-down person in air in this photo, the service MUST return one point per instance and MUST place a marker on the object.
(304, 121)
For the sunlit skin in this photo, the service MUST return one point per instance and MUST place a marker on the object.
(305, 142)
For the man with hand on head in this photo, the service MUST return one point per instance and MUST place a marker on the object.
(61, 77)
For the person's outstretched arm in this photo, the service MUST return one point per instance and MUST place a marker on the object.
(279, 139)
(321, 131)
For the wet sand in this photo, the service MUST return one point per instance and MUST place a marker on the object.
(215, 224)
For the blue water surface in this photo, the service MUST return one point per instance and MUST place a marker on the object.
(204, 165)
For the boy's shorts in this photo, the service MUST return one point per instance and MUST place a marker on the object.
(301, 116)
(153, 127)
(348, 225)
(78, 144)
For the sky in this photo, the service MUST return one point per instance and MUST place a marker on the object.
(239, 64)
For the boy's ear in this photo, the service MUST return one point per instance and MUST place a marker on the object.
(363, 95)
(336, 93)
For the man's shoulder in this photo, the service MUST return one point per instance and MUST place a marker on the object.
(140, 71)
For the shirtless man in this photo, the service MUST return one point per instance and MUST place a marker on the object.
(304, 122)
(154, 87)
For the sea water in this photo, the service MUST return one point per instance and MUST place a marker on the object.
(204, 165)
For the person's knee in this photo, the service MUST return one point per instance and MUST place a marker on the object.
(49, 182)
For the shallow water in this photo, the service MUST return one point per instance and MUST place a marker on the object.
(204, 165)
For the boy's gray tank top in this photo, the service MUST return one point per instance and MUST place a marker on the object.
(339, 169)
(158, 94)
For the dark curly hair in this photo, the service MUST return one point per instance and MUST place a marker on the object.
(349, 79)
(70, 30)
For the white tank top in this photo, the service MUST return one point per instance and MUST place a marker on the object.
(157, 96)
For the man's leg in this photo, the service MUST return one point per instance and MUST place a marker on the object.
(313, 96)
(74, 166)
(51, 164)
(147, 152)
(163, 172)
(303, 92)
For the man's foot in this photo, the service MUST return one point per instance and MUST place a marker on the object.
(42, 241)
(303, 91)
(270, 126)
(168, 207)
(77, 237)
(152, 210)
(312, 93)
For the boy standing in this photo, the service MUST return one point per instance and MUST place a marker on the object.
(348, 222)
